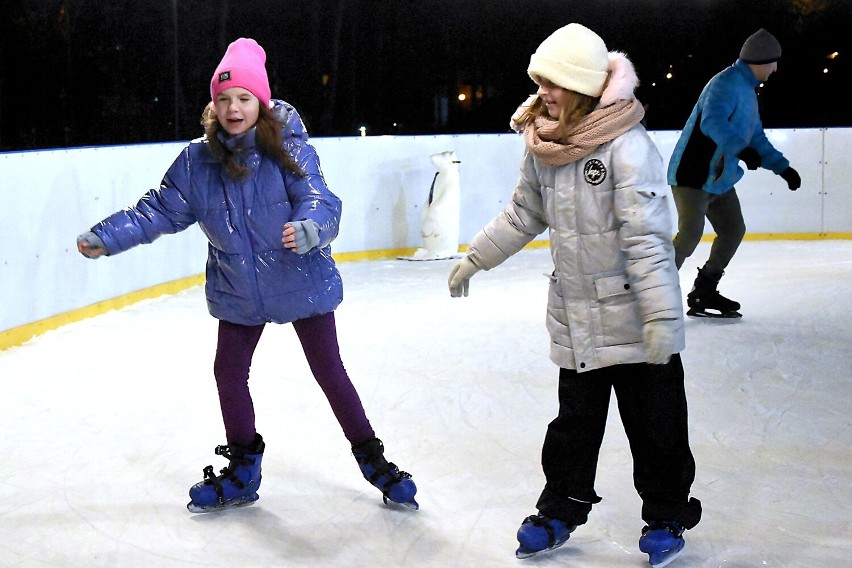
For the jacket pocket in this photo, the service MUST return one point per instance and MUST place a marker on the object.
(616, 319)
(557, 314)
(226, 274)
(719, 168)
(612, 286)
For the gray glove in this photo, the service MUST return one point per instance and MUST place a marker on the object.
(460, 276)
(90, 245)
(307, 235)
(659, 338)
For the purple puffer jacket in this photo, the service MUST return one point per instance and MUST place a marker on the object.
(251, 278)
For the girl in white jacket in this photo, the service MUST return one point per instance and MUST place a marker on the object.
(591, 176)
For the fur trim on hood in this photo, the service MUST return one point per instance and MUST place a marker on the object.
(620, 85)
(622, 80)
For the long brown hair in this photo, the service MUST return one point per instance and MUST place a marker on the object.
(267, 137)
(574, 108)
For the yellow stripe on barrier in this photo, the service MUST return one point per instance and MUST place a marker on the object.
(19, 335)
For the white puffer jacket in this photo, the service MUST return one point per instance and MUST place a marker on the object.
(611, 243)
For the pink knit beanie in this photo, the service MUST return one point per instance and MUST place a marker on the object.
(244, 65)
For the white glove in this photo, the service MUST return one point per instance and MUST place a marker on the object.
(460, 277)
(659, 338)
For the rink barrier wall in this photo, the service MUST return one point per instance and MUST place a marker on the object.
(48, 197)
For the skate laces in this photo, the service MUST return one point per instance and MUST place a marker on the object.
(382, 468)
(548, 524)
(227, 472)
(385, 476)
(239, 459)
(720, 298)
(373, 458)
(673, 527)
(538, 520)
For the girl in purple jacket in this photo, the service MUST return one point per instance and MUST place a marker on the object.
(253, 184)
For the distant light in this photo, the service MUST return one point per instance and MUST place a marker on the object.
(462, 96)
(834, 55)
(825, 71)
(363, 130)
(654, 84)
(668, 75)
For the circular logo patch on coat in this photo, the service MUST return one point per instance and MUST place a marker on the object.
(594, 171)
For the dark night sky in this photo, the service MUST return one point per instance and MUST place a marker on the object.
(88, 72)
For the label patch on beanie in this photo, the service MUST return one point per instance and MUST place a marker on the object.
(224, 76)
(594, 172)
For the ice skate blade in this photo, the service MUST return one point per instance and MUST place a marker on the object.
(412, 504)
(662, 550)
(232, 504)
(668, 560)
(522, 552)
(693, 313)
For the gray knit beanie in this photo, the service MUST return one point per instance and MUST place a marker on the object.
(761, 47)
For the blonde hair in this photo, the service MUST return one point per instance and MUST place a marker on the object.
(267, 137)
(575, 107)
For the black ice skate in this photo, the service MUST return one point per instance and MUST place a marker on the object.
(705, 301)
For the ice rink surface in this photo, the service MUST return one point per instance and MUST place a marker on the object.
(107, 422)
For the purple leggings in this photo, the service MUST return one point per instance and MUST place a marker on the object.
(318, 336)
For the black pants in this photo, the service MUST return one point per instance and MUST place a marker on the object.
(725, 216)
(652, 405)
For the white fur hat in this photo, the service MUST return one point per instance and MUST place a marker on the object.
(573, 57)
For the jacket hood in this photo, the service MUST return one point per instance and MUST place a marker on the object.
(622, 80)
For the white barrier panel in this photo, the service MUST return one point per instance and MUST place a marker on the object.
(768, 206)
(384, 181)
(48, 197)
(836, 197)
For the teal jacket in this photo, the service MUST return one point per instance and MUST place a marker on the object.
(723, 122)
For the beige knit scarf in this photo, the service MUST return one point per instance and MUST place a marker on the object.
(596, 128)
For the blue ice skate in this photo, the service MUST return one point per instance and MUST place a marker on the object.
(662, 541)
(395, 485)
(540, 533)
(235, 486)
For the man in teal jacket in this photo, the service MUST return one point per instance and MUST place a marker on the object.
(723, 128)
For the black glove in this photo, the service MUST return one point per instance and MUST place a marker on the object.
(792, 178)
(751, 158)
